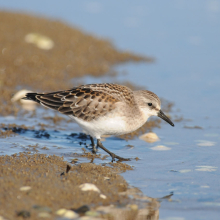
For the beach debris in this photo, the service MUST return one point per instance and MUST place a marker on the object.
(41, 41)
(204, 143)
(24, 214)
(206, 168)
(25, 188)
(81, 210)
(92, 187)
(26, 104)
(68, 168)
(75, 160)
(89, 187)
(103, 196)
(67, 213)
(175, 171)
(149, 137)
(160, 148)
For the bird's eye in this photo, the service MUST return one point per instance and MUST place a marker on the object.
(150, 104)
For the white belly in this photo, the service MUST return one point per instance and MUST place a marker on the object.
(103, 126)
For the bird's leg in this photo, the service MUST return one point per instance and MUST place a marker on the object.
(94, 150)
(99, 144)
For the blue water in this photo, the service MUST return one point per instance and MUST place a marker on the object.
(184, 38)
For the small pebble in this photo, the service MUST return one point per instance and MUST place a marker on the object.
(24, 214)
(70, 214)
(74, 160)
(92, 213)
(60, 211)
(82, 209)
(67, 213)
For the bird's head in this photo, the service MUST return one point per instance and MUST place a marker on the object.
(151, 105)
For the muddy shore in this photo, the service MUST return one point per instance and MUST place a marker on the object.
(32, 185)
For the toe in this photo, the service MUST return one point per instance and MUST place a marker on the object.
(94, 151)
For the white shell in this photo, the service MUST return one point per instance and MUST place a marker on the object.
(103, 196)
(25, 188)
(160, 148)
(89, 187)
(41, 41)
(150, 137)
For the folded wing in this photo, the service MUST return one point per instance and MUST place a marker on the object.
(81, 102)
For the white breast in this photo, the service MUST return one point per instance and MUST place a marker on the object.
(104, 125)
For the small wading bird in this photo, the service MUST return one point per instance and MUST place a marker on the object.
(103, 109)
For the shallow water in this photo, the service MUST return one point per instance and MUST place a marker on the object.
(184, 38)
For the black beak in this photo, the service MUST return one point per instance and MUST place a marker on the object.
(164, 117)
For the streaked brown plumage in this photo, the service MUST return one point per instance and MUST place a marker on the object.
(103, 108)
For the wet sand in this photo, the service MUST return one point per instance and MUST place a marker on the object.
(32, 185)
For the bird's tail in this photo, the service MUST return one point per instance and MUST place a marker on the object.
(31, 96)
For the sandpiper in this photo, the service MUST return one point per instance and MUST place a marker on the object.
(103, 109)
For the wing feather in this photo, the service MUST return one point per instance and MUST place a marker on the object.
(81, 102)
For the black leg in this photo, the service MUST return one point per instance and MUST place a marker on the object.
(94, 150)
(99, 144)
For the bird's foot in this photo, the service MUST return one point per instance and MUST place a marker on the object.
(99, 144)
(120, 159)
(94, 149)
